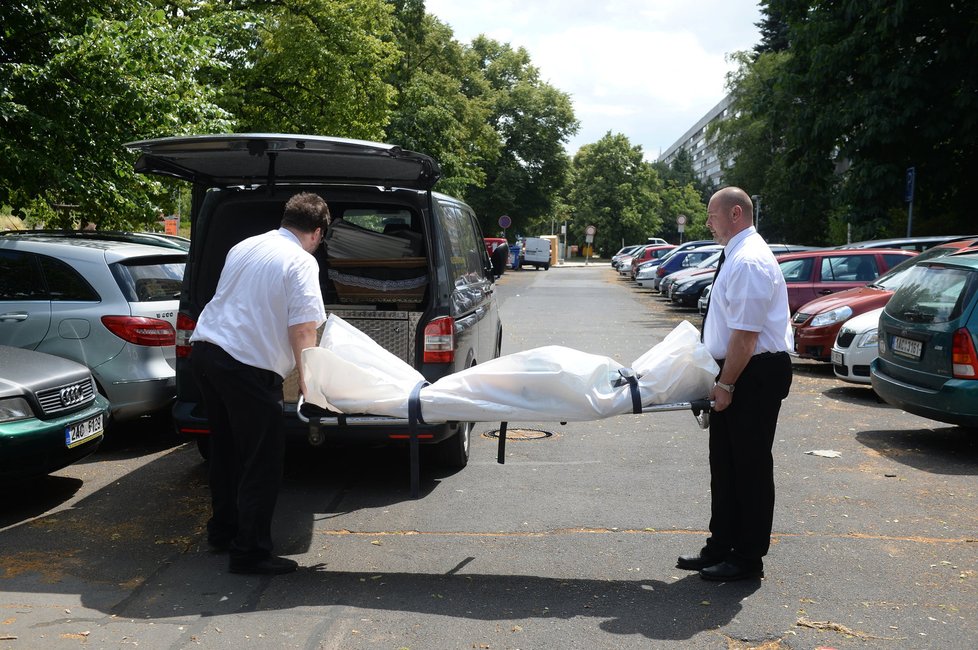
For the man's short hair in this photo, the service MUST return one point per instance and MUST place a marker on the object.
(305, 212)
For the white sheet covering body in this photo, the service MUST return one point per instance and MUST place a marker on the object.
(350, 373)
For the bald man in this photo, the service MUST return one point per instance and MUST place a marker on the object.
(747, 330)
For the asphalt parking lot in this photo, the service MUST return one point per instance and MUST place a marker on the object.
(570, 544)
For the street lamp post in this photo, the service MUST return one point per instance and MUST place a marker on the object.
(756, 198)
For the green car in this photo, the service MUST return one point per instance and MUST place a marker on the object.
(928, 337)
(50, 413)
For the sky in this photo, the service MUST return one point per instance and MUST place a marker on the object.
(649, 69)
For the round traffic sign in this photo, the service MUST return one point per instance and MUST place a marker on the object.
(681, 220)
(590, 230)
(505, 221)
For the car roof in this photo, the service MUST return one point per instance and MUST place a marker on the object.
(111, 250)
(151, 238)
(818, 252)
(245, 159)
(899, 242)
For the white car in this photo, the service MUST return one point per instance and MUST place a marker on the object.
(856, 346)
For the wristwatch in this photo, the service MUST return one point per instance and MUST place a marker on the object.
(727, 387)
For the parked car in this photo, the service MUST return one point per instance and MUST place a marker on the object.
(704, 300)
(685, 286)
(50, 413)
(928, 342)
(817, 323)
(626, 251)
(649, 253)
(856, 346)
(152, 238)
(406, 265)
(683, 260)
(705, 266)
(821, 272)
(108, 304)
(918, 244)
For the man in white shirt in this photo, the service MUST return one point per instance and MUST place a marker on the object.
(265, 311)
(747, 330)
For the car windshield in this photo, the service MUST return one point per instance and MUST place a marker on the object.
(711, 261)
(933, 294)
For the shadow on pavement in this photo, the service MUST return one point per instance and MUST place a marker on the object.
(941, 450)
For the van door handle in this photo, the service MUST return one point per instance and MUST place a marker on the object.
(14, 316)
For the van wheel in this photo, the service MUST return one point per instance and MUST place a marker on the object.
(546, 267)
(204, 447)
(453, 452)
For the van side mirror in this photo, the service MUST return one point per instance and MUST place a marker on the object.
(500, 259)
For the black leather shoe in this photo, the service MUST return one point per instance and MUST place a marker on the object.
(729, 571)
(271, 565)
(697, 561)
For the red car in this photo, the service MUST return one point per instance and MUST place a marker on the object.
(818, 322)
(651, 252)
(813, 274)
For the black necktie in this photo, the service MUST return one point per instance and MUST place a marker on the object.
(723, 256)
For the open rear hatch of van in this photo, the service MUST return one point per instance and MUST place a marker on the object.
(243, 159)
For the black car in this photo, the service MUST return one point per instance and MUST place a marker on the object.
(404, 264)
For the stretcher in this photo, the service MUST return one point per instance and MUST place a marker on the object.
(352, 381)
(699, 408)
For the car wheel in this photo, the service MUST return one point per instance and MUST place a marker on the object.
(453, 452)
(546, 267)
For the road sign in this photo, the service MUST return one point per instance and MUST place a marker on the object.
(505, 222)
(590, 230)
(681, 220)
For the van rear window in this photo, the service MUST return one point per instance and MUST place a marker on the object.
(382, 220)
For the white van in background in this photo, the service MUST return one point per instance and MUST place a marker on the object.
(536, 252)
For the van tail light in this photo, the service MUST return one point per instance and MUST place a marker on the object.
(439, 340)
(185, 327)
(152, 332)
(964, 359)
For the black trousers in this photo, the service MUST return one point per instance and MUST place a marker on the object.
(741, 464)
(245, 410)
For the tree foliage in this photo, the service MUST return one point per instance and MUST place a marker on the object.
(864, 90)
(78, 81)
(617, 191)
(533, 121)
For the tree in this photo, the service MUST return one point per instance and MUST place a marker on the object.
(436, 111)
(313, 66)
(617, 191)
(80, 80)
(533, 121)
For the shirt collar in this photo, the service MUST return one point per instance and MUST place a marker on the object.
(288, 234)
(737, 240)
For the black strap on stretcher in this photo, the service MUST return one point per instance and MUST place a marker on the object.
(414, 419)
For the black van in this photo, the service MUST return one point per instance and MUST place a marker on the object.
(402, 263)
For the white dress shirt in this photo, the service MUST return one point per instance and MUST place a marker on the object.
(749, 293)
(269, 283)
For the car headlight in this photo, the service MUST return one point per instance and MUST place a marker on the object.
(837, 315)
(15, 408)
(868, 339)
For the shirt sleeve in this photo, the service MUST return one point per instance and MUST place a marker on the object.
(305, 299)
(750, 292)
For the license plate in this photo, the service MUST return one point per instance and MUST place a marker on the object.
(77, 433)
(907, 347)
(837, 358)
